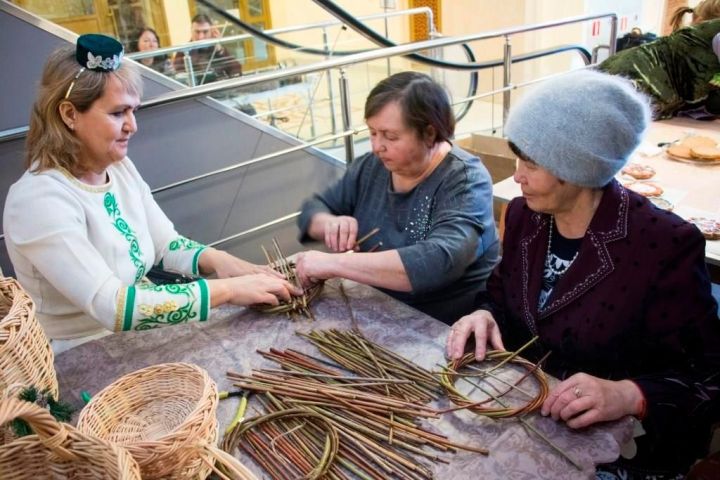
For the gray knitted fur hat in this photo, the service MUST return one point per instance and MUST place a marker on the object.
(581, 127)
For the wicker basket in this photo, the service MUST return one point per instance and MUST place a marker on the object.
(25, 354)
(58, 450)
(164, 415)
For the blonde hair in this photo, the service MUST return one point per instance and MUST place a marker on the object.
(705, 10)
(50, 143)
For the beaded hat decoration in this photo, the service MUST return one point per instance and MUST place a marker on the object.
(96, 52)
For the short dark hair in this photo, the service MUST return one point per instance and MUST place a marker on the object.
(519, 153)
(201, 18)
(135, 43)
(423, 102)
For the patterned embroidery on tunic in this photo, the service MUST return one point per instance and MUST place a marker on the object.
(121, 225)
(184, 243)
(419, 220)
(167, 312)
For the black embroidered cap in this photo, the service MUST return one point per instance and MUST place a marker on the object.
(98, 52)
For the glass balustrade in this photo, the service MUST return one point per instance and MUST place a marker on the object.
(304, 106)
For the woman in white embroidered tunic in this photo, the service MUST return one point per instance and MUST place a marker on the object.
(82, 228)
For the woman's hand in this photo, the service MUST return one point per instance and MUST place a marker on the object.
(313, 266)
(253, 289)
(480, 323)
(582, 400)
(341, 233)
(224, 265)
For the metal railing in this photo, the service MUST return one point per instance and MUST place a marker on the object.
(204, 90)
(186, 48)
(224, 85)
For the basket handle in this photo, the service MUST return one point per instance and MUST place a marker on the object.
(50, 432)
(212, 455)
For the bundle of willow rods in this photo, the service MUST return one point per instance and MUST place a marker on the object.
(376, 416)
(311, 444)
(355, 353)
(451, 373)
(297, 305)
(377, 433)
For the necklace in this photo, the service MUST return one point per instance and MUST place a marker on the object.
(556, 268)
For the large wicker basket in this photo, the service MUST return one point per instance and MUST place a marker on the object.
(25, 354)
(164, 415)
(58, 450)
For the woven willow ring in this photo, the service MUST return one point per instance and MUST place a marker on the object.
(450, 375)
(321, 425)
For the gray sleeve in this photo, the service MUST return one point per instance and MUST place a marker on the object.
(454, 241)
(338, 199)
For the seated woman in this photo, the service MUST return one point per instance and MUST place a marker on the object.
(676, 71)
(81, 226)
(147, 40)
(614, 287)
(431, 201)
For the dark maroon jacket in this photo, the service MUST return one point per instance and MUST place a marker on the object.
(636, 303)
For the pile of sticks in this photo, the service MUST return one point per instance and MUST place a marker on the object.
(375, 413)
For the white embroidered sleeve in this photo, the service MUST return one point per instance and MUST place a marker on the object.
(146, 306)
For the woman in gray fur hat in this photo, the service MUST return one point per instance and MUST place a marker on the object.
(616, 288)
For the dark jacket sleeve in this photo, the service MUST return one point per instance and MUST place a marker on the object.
(338, 199)
(227, 64)
(681, 316)
(179, 62)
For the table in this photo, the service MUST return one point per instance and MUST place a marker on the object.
(229, 339)
(692, 188)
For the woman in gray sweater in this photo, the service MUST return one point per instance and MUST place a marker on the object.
(432, 202)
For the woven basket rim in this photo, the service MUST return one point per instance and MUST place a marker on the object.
(155, 369)
(23, 449)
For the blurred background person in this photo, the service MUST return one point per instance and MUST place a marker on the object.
(703, 11)
(147, 40)
(209, 63)
(677, 71)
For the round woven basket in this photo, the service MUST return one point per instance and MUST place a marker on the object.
(164, 415)
(58, 450)
(25, 354)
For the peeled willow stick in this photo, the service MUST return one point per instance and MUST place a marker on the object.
(350, 350)
(389, 459)
(367, 236)
(307, 390)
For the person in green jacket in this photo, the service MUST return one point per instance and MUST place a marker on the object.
(679, 72)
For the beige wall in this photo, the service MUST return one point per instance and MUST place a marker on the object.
(291, 12)
(177, 14)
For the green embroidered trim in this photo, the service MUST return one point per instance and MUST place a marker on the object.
(715, 80)
(121, 225)
(196, 261)
(184, 243)
(168, 313)
(204, 299)
(129, 304)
